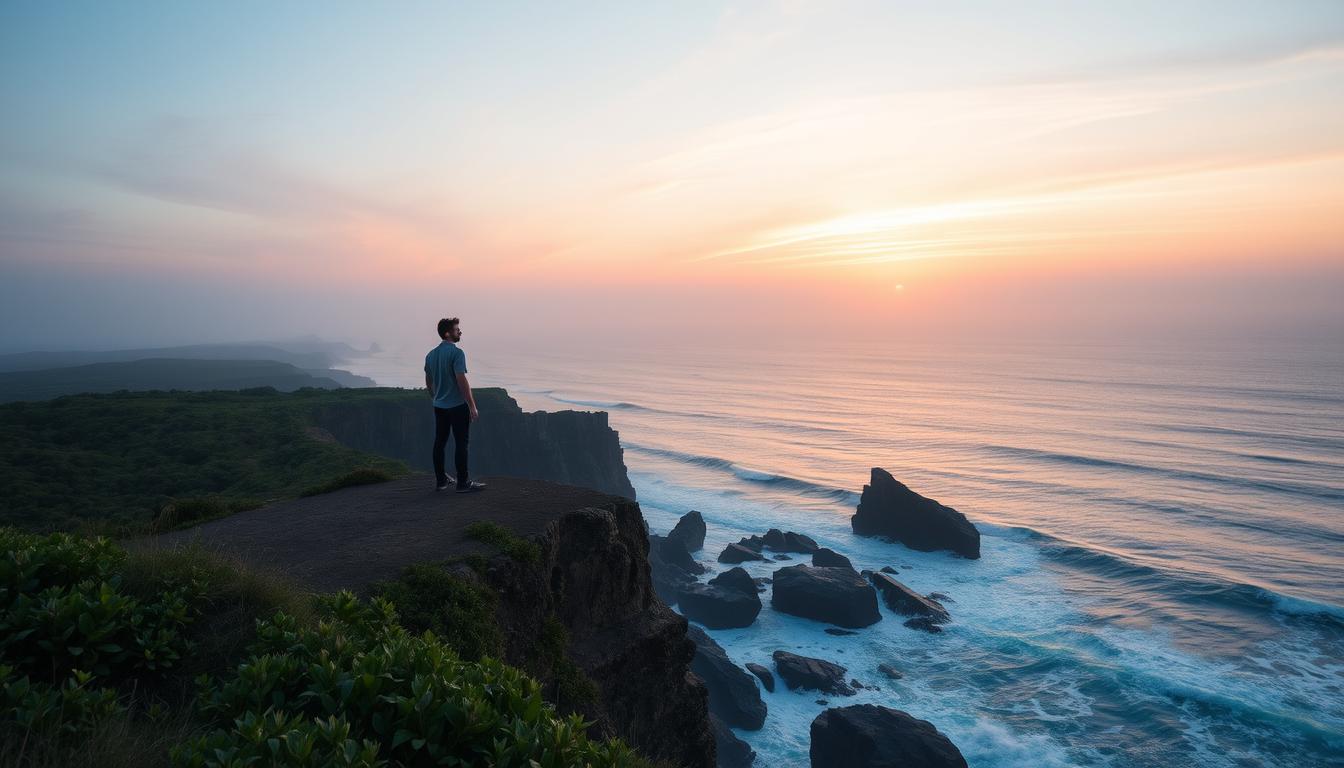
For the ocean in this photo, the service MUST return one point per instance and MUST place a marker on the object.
(1162, 571)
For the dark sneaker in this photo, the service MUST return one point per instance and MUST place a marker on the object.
(446, 483)
(471, 487)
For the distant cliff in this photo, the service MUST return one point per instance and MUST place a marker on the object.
(573, 447)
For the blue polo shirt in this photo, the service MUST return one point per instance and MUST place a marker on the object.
(442, 364)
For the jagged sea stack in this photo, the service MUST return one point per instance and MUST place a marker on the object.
(869, 736)
(888, 508)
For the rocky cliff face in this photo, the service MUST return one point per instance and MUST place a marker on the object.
(593, 578)
(573, 447)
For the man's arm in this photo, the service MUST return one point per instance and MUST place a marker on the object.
(429, 384)
(465, 389)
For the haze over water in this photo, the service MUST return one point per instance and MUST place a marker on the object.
(1161, 579)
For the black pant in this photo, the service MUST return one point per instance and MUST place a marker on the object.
(456, 420)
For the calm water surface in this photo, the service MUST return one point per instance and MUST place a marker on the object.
(1162, 578)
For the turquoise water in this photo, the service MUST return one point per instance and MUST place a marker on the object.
(1162, 578)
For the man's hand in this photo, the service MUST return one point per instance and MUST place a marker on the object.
(474, 413)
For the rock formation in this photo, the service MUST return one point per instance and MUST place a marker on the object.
(888, 508)
(690, 530)
(811, 674)
(905, 601)
(829, 558)
(732, 751)
(733, 696)
(833, 595)
(869, 736)
(572, 447)
(728, 600)
(789, 542)
(673, 551)
(737, 553)
(767, 679)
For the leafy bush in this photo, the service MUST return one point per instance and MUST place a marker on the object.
(502, 538)
(359, 681)
(361, 476)
(62, 609)
(54, 713)
(458, 610)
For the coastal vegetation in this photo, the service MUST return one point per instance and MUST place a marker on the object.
(184, 658)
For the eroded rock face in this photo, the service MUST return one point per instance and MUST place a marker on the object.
(829, 558)
(733, 695)
(869, 736)
(888, 508)
(593, 576)
(574, 447)
(733, 752)
(690, 531)
(907, 602)
(669, 580)
(811, 674)
(834, 595)
(736, 553)
(728, 600)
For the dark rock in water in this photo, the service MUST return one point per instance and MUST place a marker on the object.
(736, 553)
(728, 600)
(674, 552)
(783, 557)
(732, 694)
(839, 632)
(833, 595)
(869, 736)
(908, 602)
(890, 671)
(888, 508)
(940, 597)
(732, 752)
(923, 623)
(855, 684)
(811, 674)
(762, 583)
(823, 702)
(789, 542)
(669, 581)
(754, 543)
(764, 675)
(888, 569)
(690, 530)
(829, 558)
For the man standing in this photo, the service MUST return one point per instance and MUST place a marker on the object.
(454, 406)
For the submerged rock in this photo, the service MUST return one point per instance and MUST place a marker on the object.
(829, 558)
(839, 632)
(940, 597)
(767, 679)
(736, 553)
(690, 531)
(811, 674)
(732, 752)
(890, 671)
(906, 601)
(833, 595)
(923, 623)
(728, 600)
(869, 736)
(889, 569)
(733, 696)
(888, 508)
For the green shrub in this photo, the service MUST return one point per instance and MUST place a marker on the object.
(361, 476)
(502, 538)
(459, 611)
(62, 609)
(358, 679)
(54, 713)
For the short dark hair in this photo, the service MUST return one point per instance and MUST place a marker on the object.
(446, 325)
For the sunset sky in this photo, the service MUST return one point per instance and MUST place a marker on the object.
(212, 171)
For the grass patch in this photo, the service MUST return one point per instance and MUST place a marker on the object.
(502, 539)
(183, 513)
(111, 463)
(454, 607)
(361, 476)
(573, 688)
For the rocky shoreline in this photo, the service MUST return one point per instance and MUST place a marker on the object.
(829, 590)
